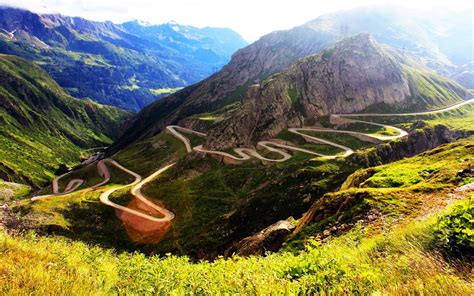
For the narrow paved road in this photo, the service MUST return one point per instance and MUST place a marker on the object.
(247, 153)
(449, 108)
(136, 185)
(136, 192)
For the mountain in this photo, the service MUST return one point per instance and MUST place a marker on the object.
(218, 202)
(414, 32)
(206, 46)
(356, 74)
(132, 64)
(465, 75)
(42, 127)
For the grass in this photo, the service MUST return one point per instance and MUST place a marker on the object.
(302, 143)
(58, 211)
(293, 94)
(206, 196)
(12, 191)
(210, 118)
(164, 91)
(405, 188)
(433, 91)
(428, 171)
(429, 92)
(370, 129)
(342, 139)
(398, 254)
(147, 156)
(402, 261)
(460, 119)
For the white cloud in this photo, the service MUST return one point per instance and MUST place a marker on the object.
(251, 18)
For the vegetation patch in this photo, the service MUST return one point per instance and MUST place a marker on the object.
(164, 91)
(455, 231)
(293, 94)
(43, 128)
(359, 262)
(12, 191)
(403, 188)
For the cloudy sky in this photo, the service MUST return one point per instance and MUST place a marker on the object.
(251, 18)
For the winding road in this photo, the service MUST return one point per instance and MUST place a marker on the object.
(136, 192)
(243, 154)
(136, 185)
(247, 153)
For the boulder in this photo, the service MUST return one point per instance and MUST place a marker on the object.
(269, 239)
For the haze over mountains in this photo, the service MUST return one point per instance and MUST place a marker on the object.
(131, 64)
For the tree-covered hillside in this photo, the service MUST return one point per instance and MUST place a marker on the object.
(41, 126)
(127, 65)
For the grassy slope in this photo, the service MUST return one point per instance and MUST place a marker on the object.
(42, 127)
(458, 119)
(432, 91)
(11, 191)
(390, 256)
(404, 188)
(207, 196)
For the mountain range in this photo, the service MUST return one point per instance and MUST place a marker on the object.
(424, 41)
(356, 74)
(132, 63)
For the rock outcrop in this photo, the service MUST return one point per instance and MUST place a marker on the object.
(268, 240)
(419, 140)
(356, 74)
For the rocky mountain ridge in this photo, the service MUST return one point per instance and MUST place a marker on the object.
(351, 76)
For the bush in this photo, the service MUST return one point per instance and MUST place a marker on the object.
(455, 231)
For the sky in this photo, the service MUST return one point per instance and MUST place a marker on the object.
(250, 18)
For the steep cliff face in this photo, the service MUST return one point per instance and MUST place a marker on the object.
(420, 139)
(349, 77)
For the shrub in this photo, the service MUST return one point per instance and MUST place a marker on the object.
(455, 231)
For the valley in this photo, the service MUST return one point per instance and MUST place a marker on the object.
(133, 63)
(42, 127)
(158, 216)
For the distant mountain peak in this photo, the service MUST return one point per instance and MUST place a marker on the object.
(142, 23)
(172, 23)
